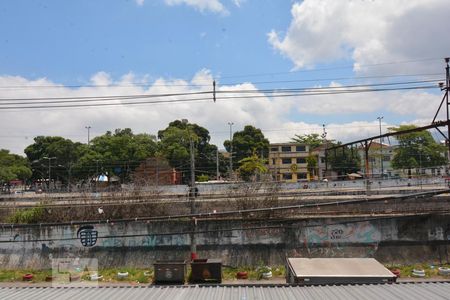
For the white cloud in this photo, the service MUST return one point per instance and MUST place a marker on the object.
(369, 32)
(202, 5)
(140, 2)
(273, 115)
(238, 3)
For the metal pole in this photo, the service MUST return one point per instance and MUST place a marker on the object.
(49, 176)
(96, 177)
(192, 194)
(217, 164)
(49, 170)
(420, 166)
(88, 129)
(447, 84)
(381, 148)
(231, 149)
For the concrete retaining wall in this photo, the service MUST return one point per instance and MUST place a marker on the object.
(138, 244)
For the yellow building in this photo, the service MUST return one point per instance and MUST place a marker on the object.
(287, 161)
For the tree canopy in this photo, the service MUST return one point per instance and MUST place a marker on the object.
(13, 166)
(175, 147)
(313, 140)
(246, 142)
(252, 166)
(417, 149)
(344, 161)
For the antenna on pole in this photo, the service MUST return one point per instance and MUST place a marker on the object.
(214, 91)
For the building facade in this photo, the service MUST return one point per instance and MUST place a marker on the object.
(288, 161)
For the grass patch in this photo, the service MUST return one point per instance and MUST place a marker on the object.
(229, 273)
(134, 275)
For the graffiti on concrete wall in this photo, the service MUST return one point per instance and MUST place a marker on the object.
(363, 232)
(436, 233)
(330, 240)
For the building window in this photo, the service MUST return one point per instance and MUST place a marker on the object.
(301, 176)
(286, 149)
(273, 161)
(322, 160)
(287, 176)
(301, 160)
(274, 149)
(286, 161)
(300, 148)
(386, 158)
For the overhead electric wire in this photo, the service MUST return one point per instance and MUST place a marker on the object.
(140, 84)
(45, 100)
(219, 98)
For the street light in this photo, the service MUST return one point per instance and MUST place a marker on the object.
(231, 148)
(381, 148)
(49, 169)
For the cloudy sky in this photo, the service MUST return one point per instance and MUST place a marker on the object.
(72, 49)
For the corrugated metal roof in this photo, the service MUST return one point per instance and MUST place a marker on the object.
(429, 290)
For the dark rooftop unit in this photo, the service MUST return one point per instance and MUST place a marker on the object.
(206, 271)
(314, 271)
(170, 272)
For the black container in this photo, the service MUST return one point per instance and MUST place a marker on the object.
(170, 272)
(206, 271)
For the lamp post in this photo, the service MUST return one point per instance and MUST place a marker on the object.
(88, 130)
(49, 169)
(420, 165)
(381, 148)
(231, 148)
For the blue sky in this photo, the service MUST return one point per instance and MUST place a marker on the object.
(68, 41)
(182, 45)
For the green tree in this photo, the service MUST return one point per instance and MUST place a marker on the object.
(313, 140)
(13, 166)
(343, 160)
(64, 151)
(117, 153)
(245, 142)
(417, 149)
(252, 166)
(175, 147)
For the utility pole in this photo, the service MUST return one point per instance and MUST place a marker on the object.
(49, 170)
(96, 176)
(447, 87)
(324, 138)
(217, 164)
(231, 148)
(381, 147)
(192, 192)
(88, 130)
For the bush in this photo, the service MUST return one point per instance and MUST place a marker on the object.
(27, 216)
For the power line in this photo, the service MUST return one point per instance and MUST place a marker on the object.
(49, 100)
(188, 100)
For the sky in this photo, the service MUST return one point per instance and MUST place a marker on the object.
(66, 49)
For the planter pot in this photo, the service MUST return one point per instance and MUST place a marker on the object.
(27, 277)
(418, 273)
(266, 275)
(242, 275)
(95, 277)
(122, 275)
(444, 271)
